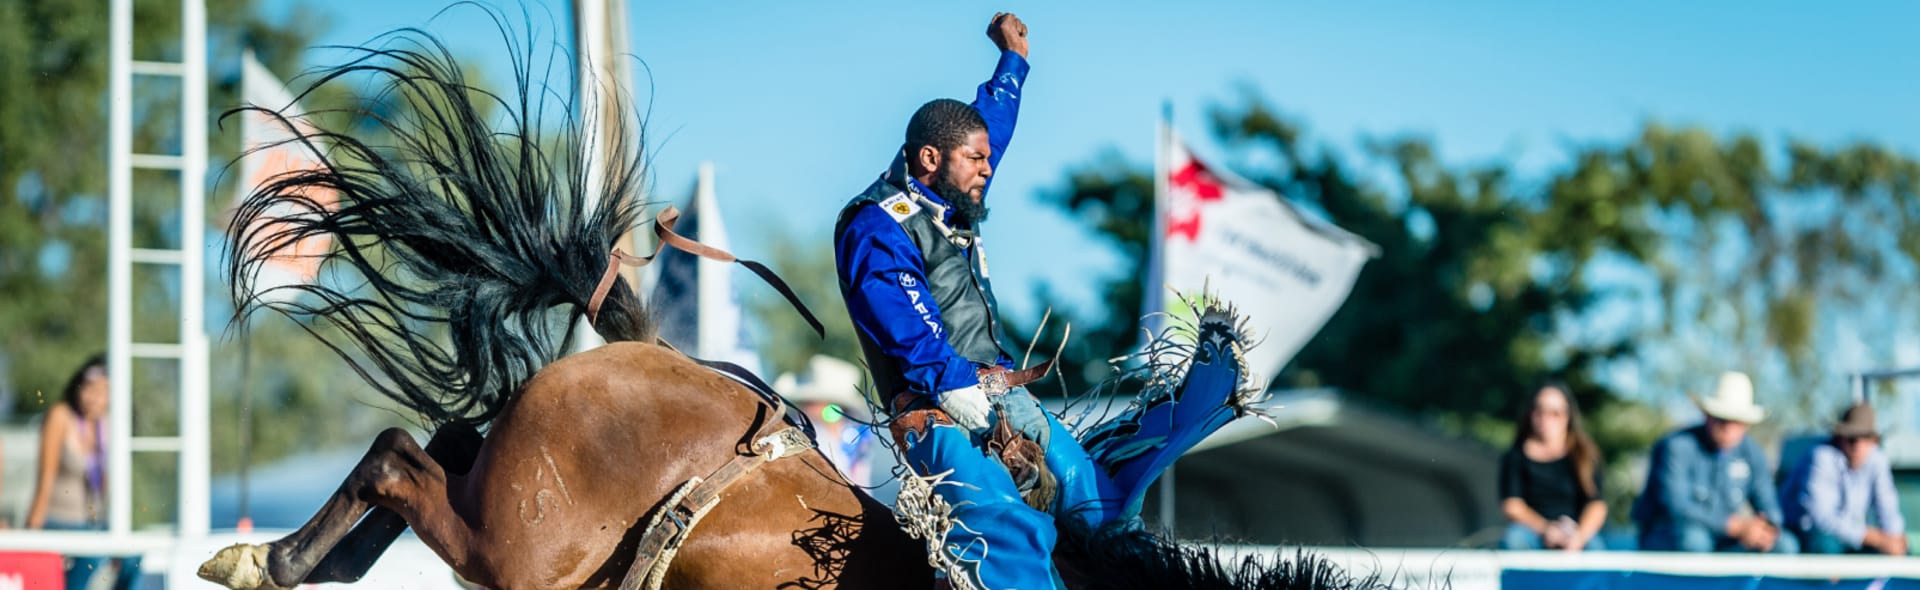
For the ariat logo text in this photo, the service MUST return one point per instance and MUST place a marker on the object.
(911, 286)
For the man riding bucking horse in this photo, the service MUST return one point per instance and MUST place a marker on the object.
(913, 272)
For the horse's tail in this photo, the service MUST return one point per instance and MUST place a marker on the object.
(466, 244)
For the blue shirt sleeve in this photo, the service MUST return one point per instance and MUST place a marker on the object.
(891, 305)
(1821, 496)
(1886, 499)
(1675, 461)
(998, 101)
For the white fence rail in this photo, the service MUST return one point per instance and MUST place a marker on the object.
(1475, 569)
(409, 564)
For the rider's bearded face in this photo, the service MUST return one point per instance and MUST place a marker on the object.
(961, 178)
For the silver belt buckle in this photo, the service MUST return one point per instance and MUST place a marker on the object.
(995, 383)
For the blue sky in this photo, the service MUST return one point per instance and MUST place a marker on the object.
(800, 105)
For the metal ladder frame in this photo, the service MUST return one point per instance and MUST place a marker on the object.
(191, 442)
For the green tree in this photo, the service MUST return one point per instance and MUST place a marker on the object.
(1769, 259)
(786, 342)
(53, 130)
(1453, 318)
(53, 213)
(1487, 285)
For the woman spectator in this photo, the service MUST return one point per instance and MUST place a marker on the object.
(71, 493)
(1550, 479)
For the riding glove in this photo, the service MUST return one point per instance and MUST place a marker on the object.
(967, 406)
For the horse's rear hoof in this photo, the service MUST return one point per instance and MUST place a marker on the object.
(240, 567)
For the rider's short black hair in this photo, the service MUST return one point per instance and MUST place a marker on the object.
(944, 124)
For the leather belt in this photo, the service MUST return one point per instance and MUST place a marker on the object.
(998, 379)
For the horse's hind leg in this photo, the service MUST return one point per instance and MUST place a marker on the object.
(454, 447)
(395, 473)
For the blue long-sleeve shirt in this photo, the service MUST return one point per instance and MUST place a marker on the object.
(1690, 483)
(874, 254)
(1824, 494)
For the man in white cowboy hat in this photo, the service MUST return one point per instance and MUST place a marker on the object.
(1831, 492)
(829, 392)
(1709, 487)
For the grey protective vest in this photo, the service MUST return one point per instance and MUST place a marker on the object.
(965, 296)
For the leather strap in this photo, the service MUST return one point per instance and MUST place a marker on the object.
(690, 502)
(614, 260)
(663, 229)
(1020, 377)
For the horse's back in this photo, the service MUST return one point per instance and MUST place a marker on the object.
(588, 446)
(594, 441)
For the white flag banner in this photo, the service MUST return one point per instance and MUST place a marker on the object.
(1287, 273)
(272, 151)
(693, 297)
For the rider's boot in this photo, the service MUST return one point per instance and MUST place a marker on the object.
(1135, 447)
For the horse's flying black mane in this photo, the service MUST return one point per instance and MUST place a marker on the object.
(486, 232)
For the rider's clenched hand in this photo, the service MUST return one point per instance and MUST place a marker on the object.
(1008, 33)
(967, 406)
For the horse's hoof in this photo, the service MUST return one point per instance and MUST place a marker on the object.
(240, 567)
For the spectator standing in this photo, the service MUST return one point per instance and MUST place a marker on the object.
(71, 492)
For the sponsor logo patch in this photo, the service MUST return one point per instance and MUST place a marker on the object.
(899, 206)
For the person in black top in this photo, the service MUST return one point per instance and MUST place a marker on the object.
(1550, 479)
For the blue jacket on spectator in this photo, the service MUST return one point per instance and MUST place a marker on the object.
(1692, 489)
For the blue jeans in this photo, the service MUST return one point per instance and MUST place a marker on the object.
(1819, 543)
(1695, 538)
(81, 568)
(1520, 538)
(1085, 493)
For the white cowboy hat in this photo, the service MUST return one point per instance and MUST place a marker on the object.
(826, 379)
(1732, 400)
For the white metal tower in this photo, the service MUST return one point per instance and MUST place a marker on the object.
(189, 349)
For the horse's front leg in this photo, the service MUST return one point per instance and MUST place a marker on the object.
(396, 474)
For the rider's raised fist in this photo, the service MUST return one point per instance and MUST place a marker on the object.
(1008, 33)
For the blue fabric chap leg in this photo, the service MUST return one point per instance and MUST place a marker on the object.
(1006, 543)
(1167, 427)
(1085, 492)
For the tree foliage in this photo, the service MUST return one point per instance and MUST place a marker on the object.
(53, 241)
(1635, 270)
(787, 342)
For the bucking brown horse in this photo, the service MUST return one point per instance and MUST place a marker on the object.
(468, 245)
